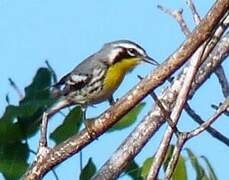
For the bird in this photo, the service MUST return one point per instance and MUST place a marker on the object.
(97, 77)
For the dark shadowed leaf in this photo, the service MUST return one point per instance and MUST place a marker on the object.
(70, 126)
(134, 171)
(19, 122)
(10, 128)
(39, 88)
(13, 160)
(200, 173)
(168, 157)
(129, 118)
(211, 172)
(88, 171)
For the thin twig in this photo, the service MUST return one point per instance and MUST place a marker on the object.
(7, 98)
(52, 71)
(163, 110)
(222, 80)
(16, 88)
(81, 161)
(216, 107)
(216, 134)
(184, 137)
(177, 14)
(195, 14)
(206, 124)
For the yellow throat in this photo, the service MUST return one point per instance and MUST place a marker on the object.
(116, 73)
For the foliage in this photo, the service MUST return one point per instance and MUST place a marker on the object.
(88, 171)
(128, 119)
(20, 122)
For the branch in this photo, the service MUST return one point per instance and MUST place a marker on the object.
(195, 14)
(184, 137)
(219, 70)
(153, 121)
(159, 158)
(222, 80)
(113, 114)
(206, 124)
(177, 14)
(216, 134)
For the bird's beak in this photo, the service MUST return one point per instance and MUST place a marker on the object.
(150, 60)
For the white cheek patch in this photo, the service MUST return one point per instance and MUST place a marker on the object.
(114, 53)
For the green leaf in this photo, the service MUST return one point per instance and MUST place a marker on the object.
(146, 167)
(39, 88)
(134, 171)
(211, 172)
(128, 119)
(88, 171)
(168, 157)
(180, 172)
(10, 128)
(200, 173)
(13, 160)
(70, 126)
(19, 122)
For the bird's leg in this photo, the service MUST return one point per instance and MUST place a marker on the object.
(87, 123)
(84, 109)
(111, 100)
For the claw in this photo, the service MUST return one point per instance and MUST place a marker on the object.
(89, 126)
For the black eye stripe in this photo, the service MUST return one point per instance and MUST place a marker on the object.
(122, 55)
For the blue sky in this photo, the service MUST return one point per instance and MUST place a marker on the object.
(66, 32)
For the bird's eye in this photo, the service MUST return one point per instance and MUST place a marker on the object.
(132, 52)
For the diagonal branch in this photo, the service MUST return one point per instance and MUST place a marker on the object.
(222, 80)
(182, 97)
(154, 119)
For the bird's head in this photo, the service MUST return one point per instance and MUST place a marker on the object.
(125, 51)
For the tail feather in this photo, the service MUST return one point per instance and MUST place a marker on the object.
(62, 103)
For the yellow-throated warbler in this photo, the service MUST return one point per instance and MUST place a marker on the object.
(96, 78)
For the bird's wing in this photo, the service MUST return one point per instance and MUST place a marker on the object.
(72, 82)
(76, 79)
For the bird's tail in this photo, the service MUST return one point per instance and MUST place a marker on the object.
(60, 104)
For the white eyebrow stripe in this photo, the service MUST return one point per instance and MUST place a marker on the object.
(129, 46)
